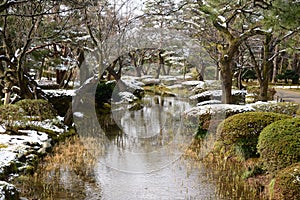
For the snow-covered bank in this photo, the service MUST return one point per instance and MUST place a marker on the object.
(20, 152)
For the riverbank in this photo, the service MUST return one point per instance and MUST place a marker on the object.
(29, 131)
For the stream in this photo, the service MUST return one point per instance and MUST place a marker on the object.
(144, 161)
(137, 154)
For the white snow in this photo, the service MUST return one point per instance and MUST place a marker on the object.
(127, 97)
(47, 124)
(177, 86)
(215, 93)
(192, 83)
(217, 108)
(16, 145)
(6, 186)
(209, 102)
(2, 129)
(61, 92)
(78, 114)
(133, 84)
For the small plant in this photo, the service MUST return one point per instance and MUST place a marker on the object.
(279, 144)
(37, 108)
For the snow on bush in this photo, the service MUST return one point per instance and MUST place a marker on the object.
(288, 108)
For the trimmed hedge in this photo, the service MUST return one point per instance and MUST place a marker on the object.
(288, 108)
(279, 144)
(9, 114)
(239, 133)
(287, 183)
(37, 108)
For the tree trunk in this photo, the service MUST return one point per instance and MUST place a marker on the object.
(275, 66)
(264, 83)
(160, 65)
(264, 90)
(226, 77)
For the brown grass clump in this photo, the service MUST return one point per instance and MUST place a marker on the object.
(63, 174)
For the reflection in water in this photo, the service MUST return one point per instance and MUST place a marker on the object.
(131, 155)
(143, 161)
(176, 181)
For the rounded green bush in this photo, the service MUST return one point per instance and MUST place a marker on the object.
(37, 108)
(279, 144)
(9, 114)
(287, 183)
(240, 132)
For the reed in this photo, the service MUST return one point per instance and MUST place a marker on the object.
(62, 174)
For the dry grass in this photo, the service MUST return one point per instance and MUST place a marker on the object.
(63, 174)
(72, 155)
(227, 174)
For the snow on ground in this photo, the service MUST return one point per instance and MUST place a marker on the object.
(2, 129)
(60, 92)
(7, 191)
(133, 84)
(216, 93)
(177, 86)
(186, 77)
(191, 83)
(15, 146)
(151, 81)
(47, 124)
(209, 102)
(217, 108)
(127, 97)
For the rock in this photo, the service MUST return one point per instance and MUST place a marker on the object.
(186, 77)
(250, 98)
(60, 99)
(127, 97)
(168, 94)
(134, 86)
(210, 102)
(135, 106)
(151, 81)
(207, 85)
(8, 191)
(177, 86)
(168, 80)
(189, 84)
(223, 109)
(238, 96)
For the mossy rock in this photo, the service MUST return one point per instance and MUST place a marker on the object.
(287, 183)
(37, 108)
(279, 144)
(239, 133)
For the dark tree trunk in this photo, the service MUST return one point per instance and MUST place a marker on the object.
(266, 68)
(226, 77)
(160, 64)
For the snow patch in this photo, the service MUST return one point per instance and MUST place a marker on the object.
(58, 93)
